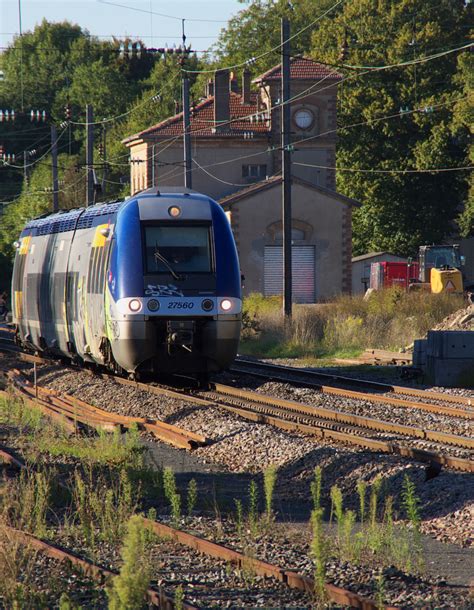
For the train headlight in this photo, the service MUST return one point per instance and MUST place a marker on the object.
(207, 305)
(153, 305)
(134, 305)
(174, 211)
(226, 304)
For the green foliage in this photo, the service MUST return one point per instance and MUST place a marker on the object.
(389, 319)
(179, 598)
(192, 496)
(103, 504)
(129, 588)
(400, 211)
(361, 490)
(26, 502)
(315, 487)
(253, 507)
(320, 554)
(411, 502)
(239, 517)
(269, 480)
(172, 495)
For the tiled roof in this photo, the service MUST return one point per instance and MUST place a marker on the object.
(301, 69)
(202, 121)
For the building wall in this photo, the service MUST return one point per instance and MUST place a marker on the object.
(252, 220)
(361, 270)
(220, 179)
(138, 168)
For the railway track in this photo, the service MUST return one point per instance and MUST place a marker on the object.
(413, 442)
(374, 391)
(157, 595)
(72, 413)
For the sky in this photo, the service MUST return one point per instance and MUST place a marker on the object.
(133, 18)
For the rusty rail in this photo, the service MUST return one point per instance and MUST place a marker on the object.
(467, 412)
(261, 568)
(155, 596)
(70, 411)
(346, 418)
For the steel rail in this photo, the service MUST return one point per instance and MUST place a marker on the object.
(464, 413)
(156, 596)
(70, 411)
(323, 433)
(261, 568)
(320, 431)
(345, 418)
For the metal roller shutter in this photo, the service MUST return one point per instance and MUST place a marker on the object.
(303, 289)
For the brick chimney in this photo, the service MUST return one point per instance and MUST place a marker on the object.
(246, 87)
(210, 88)
(233, 83)
(221, 99)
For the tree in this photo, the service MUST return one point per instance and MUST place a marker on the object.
(400, 211)
(463, 120)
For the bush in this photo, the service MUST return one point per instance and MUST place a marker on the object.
(389, 319)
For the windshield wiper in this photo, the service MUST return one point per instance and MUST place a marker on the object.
(167, 264)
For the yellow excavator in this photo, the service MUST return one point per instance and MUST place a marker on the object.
(439, 270)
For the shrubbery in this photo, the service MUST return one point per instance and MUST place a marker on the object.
(389, 319)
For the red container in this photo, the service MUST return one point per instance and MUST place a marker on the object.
(390, 273)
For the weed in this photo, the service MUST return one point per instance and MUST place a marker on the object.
(253, 507)
(319, 552)
(380, 591)
(65, 603)
(192, 496)
(103, 504)
(337, 509)
(361, 489)
(316, 487)
(179, 598)
(172, 495)
(239, 517)
(269, 480)
(129, 588)
(411, 502)
(28, 498)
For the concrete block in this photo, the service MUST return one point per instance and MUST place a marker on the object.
(450, 372)
(450, 344)
(419, 353)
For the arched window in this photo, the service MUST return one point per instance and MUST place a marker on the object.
(300, 231)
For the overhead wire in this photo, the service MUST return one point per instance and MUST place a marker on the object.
(252, 60)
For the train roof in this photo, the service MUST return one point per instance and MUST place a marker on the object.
(65, 220)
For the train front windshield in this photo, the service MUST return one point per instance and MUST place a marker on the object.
(186, 249)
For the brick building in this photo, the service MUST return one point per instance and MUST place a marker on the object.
(235, 134)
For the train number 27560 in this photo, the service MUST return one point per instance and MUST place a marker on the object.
(180, 305)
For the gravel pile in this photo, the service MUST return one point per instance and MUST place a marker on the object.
(463, 319)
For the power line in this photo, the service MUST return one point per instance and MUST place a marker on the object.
(433, 170)
(252, 60)
(140, 10)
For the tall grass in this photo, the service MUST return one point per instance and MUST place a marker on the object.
(389, 319)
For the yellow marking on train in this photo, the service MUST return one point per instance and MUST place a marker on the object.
(99, 239)
(18, 304)
(25, 244)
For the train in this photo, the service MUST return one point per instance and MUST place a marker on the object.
(146, 285)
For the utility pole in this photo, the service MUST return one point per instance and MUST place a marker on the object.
(188, 179)
(104, 157)
(54, 156)
(90, 155)
(286, 167)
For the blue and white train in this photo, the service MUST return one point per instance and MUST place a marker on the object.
(149, 284)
